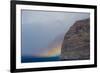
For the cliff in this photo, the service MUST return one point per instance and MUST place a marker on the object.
(76, 43)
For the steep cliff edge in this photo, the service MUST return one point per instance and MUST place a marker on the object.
(76, 43)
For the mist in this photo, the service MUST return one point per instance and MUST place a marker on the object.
(40, 28)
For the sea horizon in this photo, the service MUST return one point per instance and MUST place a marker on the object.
(28, 59)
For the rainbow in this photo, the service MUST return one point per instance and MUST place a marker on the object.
(55, 51)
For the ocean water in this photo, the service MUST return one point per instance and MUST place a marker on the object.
(28, 59)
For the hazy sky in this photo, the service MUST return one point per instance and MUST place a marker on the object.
(40, 28)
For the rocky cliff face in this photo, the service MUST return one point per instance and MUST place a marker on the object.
(76, 43)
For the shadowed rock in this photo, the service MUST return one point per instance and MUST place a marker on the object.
(76, 43)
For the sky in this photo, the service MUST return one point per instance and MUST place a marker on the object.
(43, 31)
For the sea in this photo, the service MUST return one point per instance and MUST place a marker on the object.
(28, 59)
